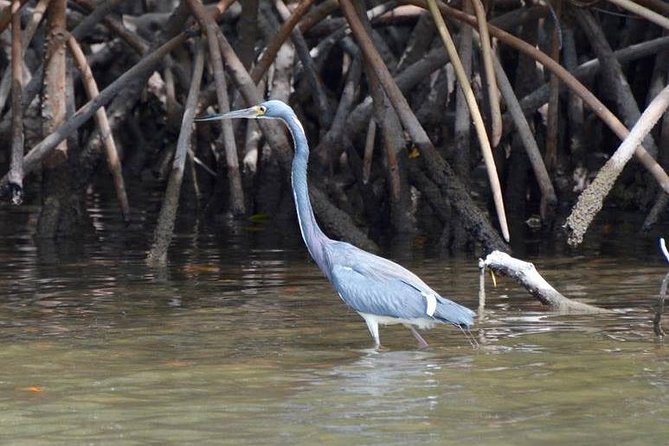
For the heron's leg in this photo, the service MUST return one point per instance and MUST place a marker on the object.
(422, 343)
(373, 327)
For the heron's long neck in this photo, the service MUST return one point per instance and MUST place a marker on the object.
(311, 232)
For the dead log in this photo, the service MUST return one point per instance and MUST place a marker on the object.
(527, 275)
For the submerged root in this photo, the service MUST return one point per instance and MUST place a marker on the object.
(590, 202)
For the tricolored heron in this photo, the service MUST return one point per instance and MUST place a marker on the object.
(380, 290)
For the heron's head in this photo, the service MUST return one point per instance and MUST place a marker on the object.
(265, 110)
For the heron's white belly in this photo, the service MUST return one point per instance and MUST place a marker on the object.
(388, 320)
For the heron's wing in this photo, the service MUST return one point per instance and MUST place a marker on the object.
(366, 294)
(372, 284)
(373, 266)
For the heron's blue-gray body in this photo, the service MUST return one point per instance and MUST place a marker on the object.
(380, 290)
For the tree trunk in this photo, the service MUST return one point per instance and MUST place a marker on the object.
(63, 207)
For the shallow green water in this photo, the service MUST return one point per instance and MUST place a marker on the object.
(241, 341)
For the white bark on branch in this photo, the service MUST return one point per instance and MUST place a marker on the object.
(527, 275)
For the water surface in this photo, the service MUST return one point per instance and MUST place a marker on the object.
(242, 341)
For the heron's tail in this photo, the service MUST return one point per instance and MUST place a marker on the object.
(453, 313)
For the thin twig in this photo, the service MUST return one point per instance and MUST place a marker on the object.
(548, 197)
(552, 119)
(487, 54)
(479, 126)
(102, 122)
(463, 122)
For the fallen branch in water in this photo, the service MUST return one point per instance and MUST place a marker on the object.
(527, 275)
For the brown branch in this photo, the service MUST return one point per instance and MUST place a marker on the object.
(102, 122)
(595, 104)
(487, 55)
(429, 62)
(44, 147)
(317, 14)
(475, 112)
(548, 197)
(463, 123)
(588, 69)
(302, 49)
(35, 18)
(6, 14)
(613, 74)
(387, 120)
(163, 232)
(341, 224)
(330, 145)
(274, 45)
(16, 166)
(134, 41)
(437, 166)
(54, 101)
(247, 87)
(237, 206)
(83, 29)
(553, 100)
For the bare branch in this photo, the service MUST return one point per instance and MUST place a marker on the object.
(165, 226)
(591, 200)
(527, 275)
(475, 112)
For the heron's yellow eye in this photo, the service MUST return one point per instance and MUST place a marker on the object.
(261, 110)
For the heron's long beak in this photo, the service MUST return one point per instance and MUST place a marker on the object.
(248, 113)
